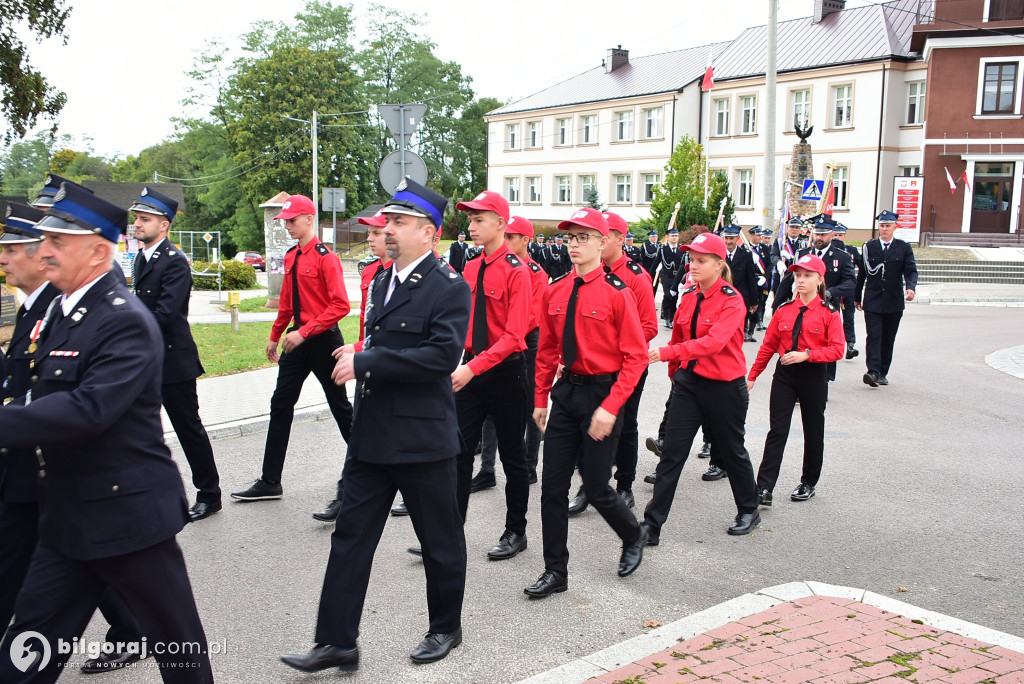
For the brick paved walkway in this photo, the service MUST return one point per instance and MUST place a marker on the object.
(824, 639)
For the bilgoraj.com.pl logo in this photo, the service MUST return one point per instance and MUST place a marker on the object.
(31, 650)
(24, 656)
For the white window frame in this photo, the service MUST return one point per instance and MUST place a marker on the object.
(534, 135)
(588, 131)
(834, 100)
(653, 125)
(842, 187)
(585, 186)
(651, 180)
(533, 190)
(748, 114)
(915, 99)
(563, 132)
(563, 189)
(793, 105)
(744, 186)
(622, 125)
(718, 114)
(910, 171)
(625, 197)
(513, 140)
(984, 62)
(512, 189)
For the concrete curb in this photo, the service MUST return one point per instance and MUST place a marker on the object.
(1009, 361)
(238, 428)
(643, 645)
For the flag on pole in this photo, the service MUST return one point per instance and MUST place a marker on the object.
(831, 200)
(952, 183)
(787, 251)
(709, 75)
(966, 182)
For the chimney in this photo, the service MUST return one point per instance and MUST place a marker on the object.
(617, 57)
(823, 8)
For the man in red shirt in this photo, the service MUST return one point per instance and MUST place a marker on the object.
(591, 331)
(313, 300)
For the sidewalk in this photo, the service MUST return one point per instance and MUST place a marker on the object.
(805, 632)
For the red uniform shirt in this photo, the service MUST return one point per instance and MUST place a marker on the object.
(507, 289)
(538, 286)
(322, 297)
(609, 338)
(639, 282)
(821, 332)
(718, 346)
(365, 278)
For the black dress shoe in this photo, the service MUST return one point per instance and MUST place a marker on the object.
(202, 510)
(705, 450)
(330, 512)
(802, 493)
(510, 544)
(261, 490)
(547, 584)
(882, 380)
(436, 646)
(764, 497)
(714, 473)
(745, 523)
(532, 479)
(322, 657)
(851, 352)
(482, 480)
(650, 479)
(655, 445)
(871, 378)
(653, 538)
(749, 338)
(668, 325)
(400, 509)
(416, 550)
(633, 553)
(107, 662)
(579, 503)
(627, 496)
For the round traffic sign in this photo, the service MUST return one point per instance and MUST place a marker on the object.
(391, 169)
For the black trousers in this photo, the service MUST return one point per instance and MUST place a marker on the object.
(882, 329)
(629, 439)
(18, 535)
(182, 406)
(849, 328)
(429, 491)
(705, 435)
(489, 447)
(501, 394)
(722, 406)
(668, 302)
(312, 356)
(566, 440)
(808, 384)
(60, 595)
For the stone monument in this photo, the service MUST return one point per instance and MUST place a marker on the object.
(277, 242)
(801, 167)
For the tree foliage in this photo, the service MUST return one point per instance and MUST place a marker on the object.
(684, 184)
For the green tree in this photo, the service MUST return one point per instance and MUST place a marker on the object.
(26, 94)
(24, 166)
(592, 199)
(684, 184)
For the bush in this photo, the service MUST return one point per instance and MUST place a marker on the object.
(234, 276)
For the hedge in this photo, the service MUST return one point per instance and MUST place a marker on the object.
(234, 276)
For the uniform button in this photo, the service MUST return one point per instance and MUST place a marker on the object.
(376, 328)
(58, 372)
(34, 378)
(402, 325)
(367, 393)
(3, 450)
(114, 488)
(168, 346)
(593, 313)
(367, 375)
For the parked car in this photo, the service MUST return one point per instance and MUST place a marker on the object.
(254, 259)
(366, 261)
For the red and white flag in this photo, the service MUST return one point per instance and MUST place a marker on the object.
(966, 182)
(952, 183)
(831, 200)
(709, 75)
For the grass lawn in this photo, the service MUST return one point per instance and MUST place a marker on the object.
(258, 304)
(224, 352)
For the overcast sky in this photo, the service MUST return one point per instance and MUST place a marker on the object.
(124, 66)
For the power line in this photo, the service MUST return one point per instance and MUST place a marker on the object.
(231, 170)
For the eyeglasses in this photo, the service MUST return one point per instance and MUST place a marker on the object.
(581, 238)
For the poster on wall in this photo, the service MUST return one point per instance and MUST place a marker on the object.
(907, 194)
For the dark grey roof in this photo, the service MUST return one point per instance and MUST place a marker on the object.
(662, 73)
(859, 34)
(125, 194)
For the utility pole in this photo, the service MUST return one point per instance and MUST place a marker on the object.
(316, 181)
(768, 219)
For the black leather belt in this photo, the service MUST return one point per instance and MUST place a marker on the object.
(575, 379)
(467, 357)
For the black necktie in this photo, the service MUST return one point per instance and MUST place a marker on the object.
(21, 314)
(797, 324)
(140, 263)
(296, 306)
(480, 311)
(569, 351)
(693, 327)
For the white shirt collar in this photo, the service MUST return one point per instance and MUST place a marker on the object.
(68, 302)
(884, 243)
(31, 299)
(407, 271)
(150, 251)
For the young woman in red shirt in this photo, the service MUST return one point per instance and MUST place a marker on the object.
(708, 369)
(807, 334)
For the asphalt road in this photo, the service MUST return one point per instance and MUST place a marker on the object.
(920, 499)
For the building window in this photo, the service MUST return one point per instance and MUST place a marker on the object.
(588, 186)
(623, 126)
(652, 123)
(623, 188)
(745, 188)
(800, 108)
(588, 129)
(909, 171)
(999, 93)
(512, 189)
(1005, 10)
(842, 106)
(748, 114)
(533, 138)
(721, 107)
(651, 181)
(841, 183)
(564, 135)
(915, 103)
(563, 184)
(512, 141)
(533, 189)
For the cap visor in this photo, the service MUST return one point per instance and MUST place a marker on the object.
(146, 209)
(473, 206)
(399, 209)
(15, 239)
(379, 221)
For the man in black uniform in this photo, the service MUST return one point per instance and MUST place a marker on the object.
(650, 255)
(670, 258)
(847, 303)
(538, 251)
(744, 278)
(762, 246)
(457, 253)
(162, 279)
(405, 437)
(631, 250)
(785, 248)
(110, 498)
(558, 258)
(888, 264)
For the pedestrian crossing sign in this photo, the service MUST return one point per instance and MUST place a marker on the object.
(813, 189)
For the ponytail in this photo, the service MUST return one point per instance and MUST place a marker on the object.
(726, 271)
(821, 290)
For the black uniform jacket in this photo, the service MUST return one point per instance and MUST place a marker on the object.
(840, 277)
(880, 283)
(404, 405)
(108, 485)
(744, 276)
(164, 285)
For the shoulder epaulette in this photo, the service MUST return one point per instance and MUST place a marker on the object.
(293, 248)
(446, 269)
(831, 306)
(615, 281)
(474, 255)
(727, 290)
(555, 280)
(513, 259)
(689, 289)
(534, 267)
(786, 303)
(634, 267)
(321, 248)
